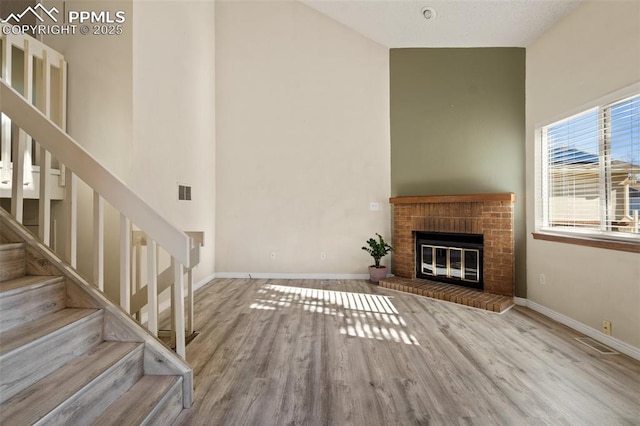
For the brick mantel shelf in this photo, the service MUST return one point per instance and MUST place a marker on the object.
(490, 215)
(467, 198)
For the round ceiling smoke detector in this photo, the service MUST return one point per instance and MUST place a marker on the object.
(428, 13)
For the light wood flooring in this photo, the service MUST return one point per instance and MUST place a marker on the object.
(307, 352)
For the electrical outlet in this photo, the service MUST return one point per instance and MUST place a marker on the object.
(374, 206)
(323, 256)
(606, 327)
(273, 255)
(543, 279)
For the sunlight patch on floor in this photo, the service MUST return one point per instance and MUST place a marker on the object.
(366, 315)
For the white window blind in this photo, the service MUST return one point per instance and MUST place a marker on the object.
(590, 171)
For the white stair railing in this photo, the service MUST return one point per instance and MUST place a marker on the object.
(107, 187)
(39, 73)
(140, 291)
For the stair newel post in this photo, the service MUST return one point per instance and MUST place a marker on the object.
(125, 263)
(152, 287)
(98, 241)
(178, 311)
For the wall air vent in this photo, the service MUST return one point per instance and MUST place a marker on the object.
(596, 346)
(184, 192)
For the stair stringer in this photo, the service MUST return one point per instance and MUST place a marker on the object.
(159, 360)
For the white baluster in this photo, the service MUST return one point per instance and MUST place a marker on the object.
(173, 297)
(125, 263)
(17, 183)
(98, 241)
(5, 177)
(6, 122)
(44, 206)
(28, 95)
(152, 287)
(62, 85)
(22, 171)
(190, 302)
(71, 198)
(44, 209)
(137, 270)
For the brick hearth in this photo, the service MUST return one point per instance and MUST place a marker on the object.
(450, 293)
(490, 215)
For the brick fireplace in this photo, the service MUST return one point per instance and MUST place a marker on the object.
(489, 215)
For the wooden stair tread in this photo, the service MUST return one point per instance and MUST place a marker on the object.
(55, 366)
(26, 282)
(38, 400)
(47, 325)
(138, 402)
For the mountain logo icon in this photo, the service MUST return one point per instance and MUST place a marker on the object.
(35, 12)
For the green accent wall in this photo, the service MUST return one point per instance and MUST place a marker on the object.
(458, 127)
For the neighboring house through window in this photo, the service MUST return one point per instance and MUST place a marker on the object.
(589, 172)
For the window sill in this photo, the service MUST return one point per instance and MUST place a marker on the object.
(588, 242)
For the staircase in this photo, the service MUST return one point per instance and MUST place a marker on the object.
(68, 355)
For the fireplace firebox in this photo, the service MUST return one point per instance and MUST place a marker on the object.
(450, 257)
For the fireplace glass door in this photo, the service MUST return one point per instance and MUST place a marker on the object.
(449, 257)
(451, 262)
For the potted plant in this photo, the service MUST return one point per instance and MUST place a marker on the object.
(377, 249)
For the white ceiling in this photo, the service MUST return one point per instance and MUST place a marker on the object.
(458, 23)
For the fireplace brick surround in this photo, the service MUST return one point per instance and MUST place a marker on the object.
(490, 215)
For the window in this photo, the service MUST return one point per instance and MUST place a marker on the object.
(590, 172)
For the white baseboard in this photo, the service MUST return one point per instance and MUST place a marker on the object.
(291, 276)
(612, 342)
(520, 301)
(204, 281)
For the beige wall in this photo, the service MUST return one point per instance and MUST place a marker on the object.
(174, 114)
(302, 141)
(100, 101)
(593, 52)
(136, 106)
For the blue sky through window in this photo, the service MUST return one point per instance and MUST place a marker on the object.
(625, 131)
(575, 141)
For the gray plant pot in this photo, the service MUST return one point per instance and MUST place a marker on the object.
(377, 274)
